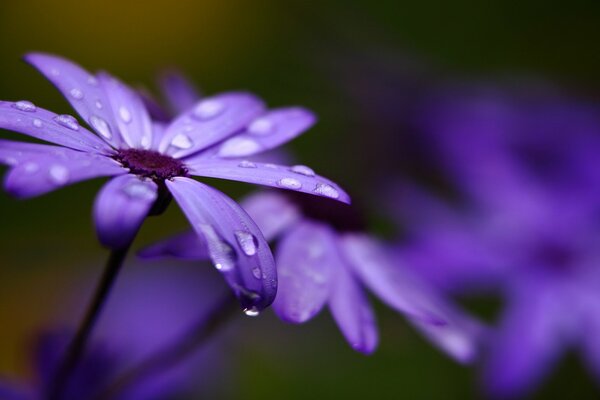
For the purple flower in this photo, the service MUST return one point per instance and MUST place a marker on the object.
(151, 161)
(324, 257)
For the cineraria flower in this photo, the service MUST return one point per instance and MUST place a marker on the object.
(152, 161)
(324, 257)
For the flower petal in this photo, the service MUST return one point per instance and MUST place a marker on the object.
(45, 125)
(120, 208)
(43, 173)
(82, 90)
(130, 115)
(15, 391)
(13, 153)
(298, 178)
(352, 312)
(210, 121)
(305, 257)
(268, 131)
(235, 244)
(179, 92)
(185, 246)
(272, 212)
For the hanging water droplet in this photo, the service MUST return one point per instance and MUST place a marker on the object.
(251, 311)
(239, 147)
(208, 109)
(256, 273)
(31, 167)
(37, 123)
(98, 104)
(125, 114)
(247, 241)
(246, 164)
(67, 121)
(261, 126)
(140, 191)
(25, 105)
(303, 170)
(182, 141)
(59, 174)
(289, 183)
(326, 190)
(76, 93)
(101, 126)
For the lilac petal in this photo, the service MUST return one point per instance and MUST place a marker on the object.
(15, 391)
(210, 121)
(155, 109)
(235, 244)
(130, 114)
(298, 178)
(267, 132)
(272, 212)
(305, 258)
(186, 246)
(352, 312)
(82, 90)
(45, 125)
(43, 173)
(179, 92)
(121, 207)
(13, 153)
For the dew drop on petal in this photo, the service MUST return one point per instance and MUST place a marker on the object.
(37, 123)
(92, 80)
(101, 126)
(261, 126)
(59, 174)
(326, 190)
(246, 164)
(67, 121)
(251, 311)
(54, 71)
(272, 166)
(137, 190)
(256, 273)
(208, 109)
(247, 242)
(303, 170)
(76, 93)
(289, 183)
(25, 105)
(239, 147)
(146, 142)
(31, 167)
(221, 253)
(181, 141)
(98, 104)
(125, 114)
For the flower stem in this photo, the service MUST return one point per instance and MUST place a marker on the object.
(77, 346)
(177, 351)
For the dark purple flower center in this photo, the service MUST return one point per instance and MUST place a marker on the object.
(151, 164)
(342, 217)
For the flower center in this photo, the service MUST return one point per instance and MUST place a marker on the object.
(151, 164)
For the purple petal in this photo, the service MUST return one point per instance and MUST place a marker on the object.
(210, 121)
(121, 207)
(305, 257)
(267, 132)
(26, 118)
(130, 115)
(235, 244)
(13, 153)
(186, 246)
(82, 90)
(43, 173)
(15, 391)
(297, 178)
(272, 212)
(352, 312)
(179, 92)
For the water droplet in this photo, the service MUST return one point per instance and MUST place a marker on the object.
(246, 164)
(221, 253)
(10, 160)
(98, 104)
(208, 109)
(140, 191)
(31, 167)
(146, 142)
(101, 126)
(247, 242)
(261, 126)
(67, 121)
(182, 141)
(290, 183)
(25, 105)
(76, 93)
(54, 71)
(256, 272)
(37, 123)
(125, 114)
(239, 147)
(251, 311)
(326, 190)
(303, 170)
(272, 166)
(59, 174)
(92, 80)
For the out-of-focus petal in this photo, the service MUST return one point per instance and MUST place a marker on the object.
(120, 208)
(235, 244)
(64, 130)
(305, 258)
(272, 212)
(44, 173)
(210, 121)
(179, 92)
(13, 153)
(298, 178)
(83, 90)
(268, 131)
(130, 114)
(186, 246)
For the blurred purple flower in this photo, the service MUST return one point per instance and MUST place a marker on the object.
(324, 257)
(152, 161)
